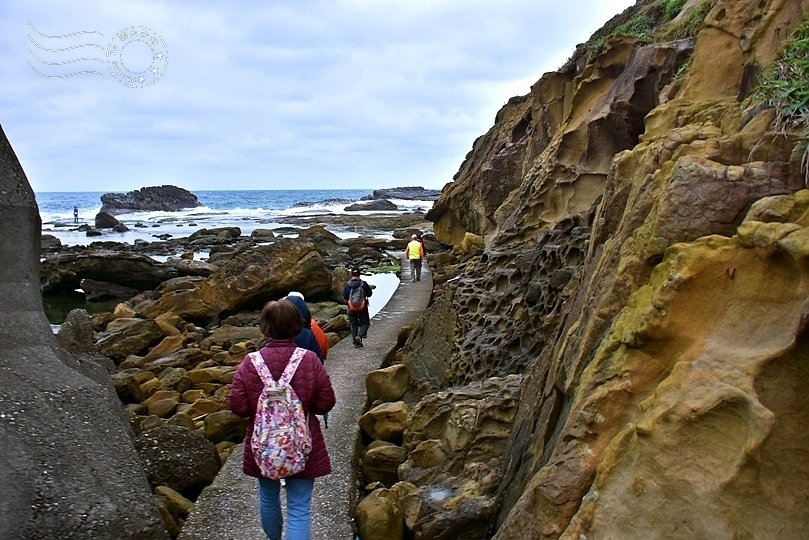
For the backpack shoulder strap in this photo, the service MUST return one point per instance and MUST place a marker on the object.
(292, 365)
(261, 368)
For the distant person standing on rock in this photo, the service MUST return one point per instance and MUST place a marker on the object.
(280, 321)
(75, 214)
(415, 254)
(356, 293)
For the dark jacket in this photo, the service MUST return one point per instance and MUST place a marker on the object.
(352, 284)
(307, 338)
(312, 385)
(303, 309)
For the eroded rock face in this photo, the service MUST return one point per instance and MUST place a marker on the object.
(68, 467)
(65, 272)
(452, 429)
(496, 318)
(720, 406)
(665, 322)
(448, 462)
(248, 279)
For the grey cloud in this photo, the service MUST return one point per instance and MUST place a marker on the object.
(323, 92)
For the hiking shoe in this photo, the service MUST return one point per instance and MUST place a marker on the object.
(357, 343)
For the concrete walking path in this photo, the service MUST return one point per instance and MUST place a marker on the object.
(228, 508)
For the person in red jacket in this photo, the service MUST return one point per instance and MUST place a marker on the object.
(281, 321)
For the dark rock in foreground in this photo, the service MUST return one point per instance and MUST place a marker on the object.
(68, 468)
(108, 221)
(165, 198)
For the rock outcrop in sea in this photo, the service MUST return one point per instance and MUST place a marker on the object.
(164, 198)
(409, 193)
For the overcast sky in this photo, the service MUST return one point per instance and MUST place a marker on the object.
(269, 95)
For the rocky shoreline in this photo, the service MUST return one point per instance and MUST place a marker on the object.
(181, 327)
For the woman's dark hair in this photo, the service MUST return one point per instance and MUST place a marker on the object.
(279, 320)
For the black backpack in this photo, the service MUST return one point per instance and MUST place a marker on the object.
(356, 299)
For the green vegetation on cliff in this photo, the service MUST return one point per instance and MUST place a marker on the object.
(691, 25)
(648, 23)
(784, 85)
(671, 8)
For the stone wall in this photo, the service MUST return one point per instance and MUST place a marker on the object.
(68, 465)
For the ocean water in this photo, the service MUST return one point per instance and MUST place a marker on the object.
(246, 209)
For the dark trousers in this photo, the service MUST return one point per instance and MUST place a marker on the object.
(415, 269)
(359, 321)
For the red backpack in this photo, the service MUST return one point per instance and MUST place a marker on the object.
(356, 299)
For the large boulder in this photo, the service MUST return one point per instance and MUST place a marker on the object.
(320, 237)
(248, 280)
(217, 233)
(381, 515)
(65, 272)
(76, 336)
(124, 337)
(387, 384)
(380, 462)
(165, 198)
(180, 458)
(104, 220)
(68, 467)
(385, 422)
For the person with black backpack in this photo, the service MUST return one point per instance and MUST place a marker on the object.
(356, 293)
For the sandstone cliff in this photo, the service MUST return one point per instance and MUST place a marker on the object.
(631, 237)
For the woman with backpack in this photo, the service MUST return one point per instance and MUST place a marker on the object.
(280, 321)
(356, 293)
